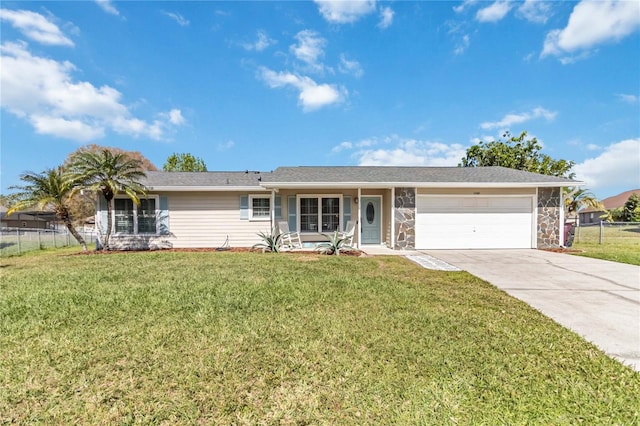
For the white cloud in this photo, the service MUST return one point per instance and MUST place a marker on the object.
(464, 5)
(630, 99)
(535, 11)
(181, 20)
(35, 26)
(495, 12)
(593, 147)
(342, 146)
(616, 169)
(176, 118)
(108, 7)
(592, 23)
(68, 129)
(311, 95)
(462, 45)
(347, 66)
(309, 49)
(397, 151)
(386, 17)
(263, 41)
(43, 91)
(346, 11)
(226, 145)
(510, 119)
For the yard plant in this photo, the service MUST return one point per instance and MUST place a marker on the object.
(243, 338)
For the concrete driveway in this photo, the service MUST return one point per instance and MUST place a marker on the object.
(598, 299)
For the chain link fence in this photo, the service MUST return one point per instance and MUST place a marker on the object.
(626, 233)
(14, 241)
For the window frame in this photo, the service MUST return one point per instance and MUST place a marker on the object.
(156, 199)
(319, 198)
(254, 218)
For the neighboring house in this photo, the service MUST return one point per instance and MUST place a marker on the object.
(397, 207)
(29, 220)
(591, 215)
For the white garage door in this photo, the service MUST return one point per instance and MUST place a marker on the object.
(473, 222)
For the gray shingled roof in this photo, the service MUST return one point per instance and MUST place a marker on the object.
(203, 179)
(352, 175)
(386, 174)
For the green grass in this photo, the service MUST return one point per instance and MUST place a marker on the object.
(246, 338)
(620, 243)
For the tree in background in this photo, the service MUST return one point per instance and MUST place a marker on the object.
(516, 153)
(83, 204)
(50, 190)
(184, 163)
(108, 174)
(7, 200)
(631, 209)
(576, 199)
(145, 163)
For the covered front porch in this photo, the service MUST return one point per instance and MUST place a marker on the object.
(316, 212)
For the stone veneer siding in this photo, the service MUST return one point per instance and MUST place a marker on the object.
(549, 226)
(405, 218)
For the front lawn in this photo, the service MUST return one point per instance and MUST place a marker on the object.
(620, 242)
(246, 338)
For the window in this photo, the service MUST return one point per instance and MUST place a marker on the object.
(319, 214)
(309, 214)
(141, 220)
(147, 216)
(123, 215)
(260, 208)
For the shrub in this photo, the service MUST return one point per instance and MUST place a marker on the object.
(270, 242)
(337, 242)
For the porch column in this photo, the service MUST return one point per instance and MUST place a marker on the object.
(358, 217)
(393, 218)
(273, 209)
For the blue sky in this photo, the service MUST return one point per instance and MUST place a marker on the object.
(257, 85)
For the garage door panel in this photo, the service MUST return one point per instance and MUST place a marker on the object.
(473, 222)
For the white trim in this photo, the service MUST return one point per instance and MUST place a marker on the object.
(393, 217)
(319, 197)
(562, 219)
(534, 222)
(358, 225)
(381, 218)
(155, 197)
(259, 218)
(209, 188)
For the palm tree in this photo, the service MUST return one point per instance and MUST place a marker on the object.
(576, 199)
(52, 190)
(109, 174)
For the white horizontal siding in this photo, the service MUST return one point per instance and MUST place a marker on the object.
(206, 219)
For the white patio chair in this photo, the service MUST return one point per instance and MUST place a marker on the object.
(289, 239)
(349, 230)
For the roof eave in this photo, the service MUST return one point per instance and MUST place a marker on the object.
(226, 188)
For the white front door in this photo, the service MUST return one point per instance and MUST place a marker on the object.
(370, 220)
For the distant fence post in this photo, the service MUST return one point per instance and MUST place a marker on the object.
(19, 245)
(39, 241)
(53, 232)
(601, 231)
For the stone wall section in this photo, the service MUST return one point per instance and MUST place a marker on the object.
(549, 226)
(405, 218)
